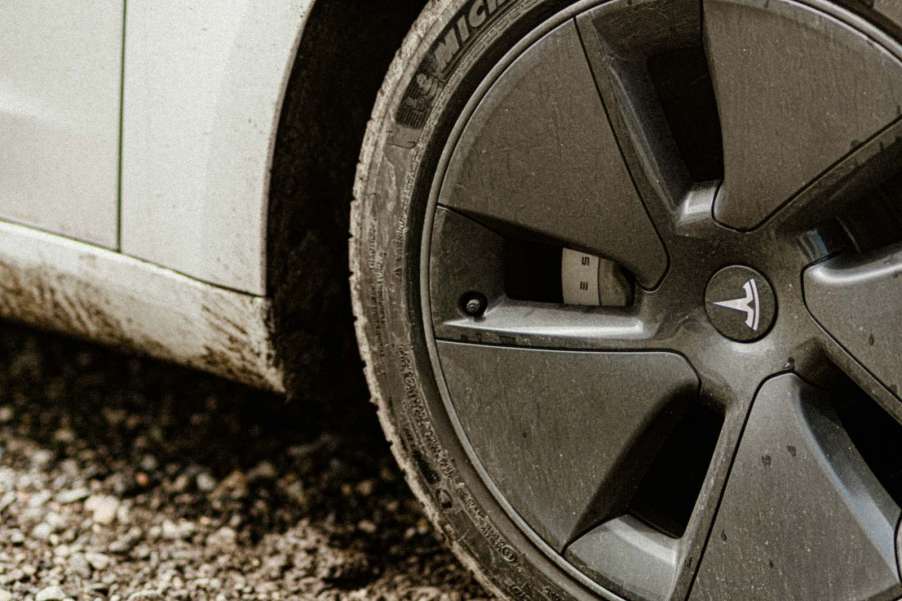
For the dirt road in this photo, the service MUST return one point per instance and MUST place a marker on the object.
(125, 479)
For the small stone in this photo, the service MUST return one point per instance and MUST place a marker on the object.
(39, 499)
(71, 496)
(41, 457)
(205, 482)
(5, 595)
(64, 435)
(42, 531)
(16, 575)
(6, 414)
(7, 499)
(263, 471)
(56, 521)
(79, 565)
(51, 593)
(114, 417)
(149, 463)
(145, 596)
(173, 531)
(127, 542)
(275, 565)
(103, 509)
(296, 492)
(365, 488)
(233, 486)
(224, 537)
(180, 484)
(98, 561)
(122, 514)
(123, 545)
(423, 527)
(119, 483)
(141, 552)
(366, 526)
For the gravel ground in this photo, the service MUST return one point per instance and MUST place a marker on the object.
(125, 479)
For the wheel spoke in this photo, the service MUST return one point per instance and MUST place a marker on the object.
(527, 324)
(611, 552)
(467, 257)
(565, 436)
(859, 303)
(796, 93)
(802, 516)
(846, 188)
(623, 40)
(538, 154)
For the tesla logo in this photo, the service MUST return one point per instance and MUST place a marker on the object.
(748, 304)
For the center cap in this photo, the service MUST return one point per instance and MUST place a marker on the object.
(740, 303)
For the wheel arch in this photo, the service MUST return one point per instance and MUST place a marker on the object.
(341, 61)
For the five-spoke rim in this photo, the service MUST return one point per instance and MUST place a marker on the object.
(563, 409)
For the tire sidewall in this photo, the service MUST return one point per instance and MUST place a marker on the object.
(415, 111)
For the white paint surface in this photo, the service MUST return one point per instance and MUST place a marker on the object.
(58, 283)
(204, 83)
(59, 116)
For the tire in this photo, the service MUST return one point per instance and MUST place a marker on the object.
(392, 343)
(455, 52)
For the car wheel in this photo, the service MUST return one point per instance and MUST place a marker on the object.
(626, 280)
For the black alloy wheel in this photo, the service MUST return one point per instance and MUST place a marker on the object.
(628, 280)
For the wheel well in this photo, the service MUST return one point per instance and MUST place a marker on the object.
(342, 59)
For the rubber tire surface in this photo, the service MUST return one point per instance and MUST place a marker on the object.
(415, 110)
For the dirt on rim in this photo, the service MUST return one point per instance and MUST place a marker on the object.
(122, 478)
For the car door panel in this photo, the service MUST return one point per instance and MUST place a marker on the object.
(60, 75)
(203, 89)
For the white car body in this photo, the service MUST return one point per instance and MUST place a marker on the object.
(137, 140)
